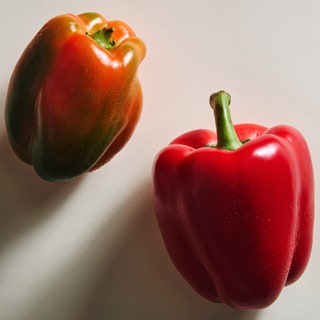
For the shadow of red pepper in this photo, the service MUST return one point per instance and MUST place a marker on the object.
(136, 276)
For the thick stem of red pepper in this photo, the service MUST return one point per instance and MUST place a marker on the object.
(226, 134)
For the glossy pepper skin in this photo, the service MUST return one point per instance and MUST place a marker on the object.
(236, 208)
(74, 98)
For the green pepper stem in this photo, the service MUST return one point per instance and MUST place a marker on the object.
(227, 137)
(103, 38)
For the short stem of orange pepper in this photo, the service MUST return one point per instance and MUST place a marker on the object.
(227, 136)
(103, 38)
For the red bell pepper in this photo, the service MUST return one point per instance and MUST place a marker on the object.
(236, 208)
(74, 98)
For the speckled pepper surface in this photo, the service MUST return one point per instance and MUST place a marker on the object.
(74, 98)
(236, 208)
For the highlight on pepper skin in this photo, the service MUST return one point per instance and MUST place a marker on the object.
(74, 98)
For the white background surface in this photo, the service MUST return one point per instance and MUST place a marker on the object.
(90, 249)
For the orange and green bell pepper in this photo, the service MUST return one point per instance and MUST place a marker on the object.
(74, 98)
(236, 208)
